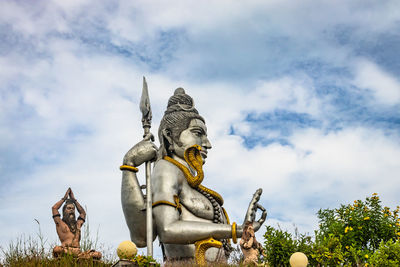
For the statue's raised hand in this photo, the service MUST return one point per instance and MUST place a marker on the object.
(67, 193)
(143, 151)
(252, 211)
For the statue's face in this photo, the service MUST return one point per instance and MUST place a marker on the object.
(70, 210)
(195, 134)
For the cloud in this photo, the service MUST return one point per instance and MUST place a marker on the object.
(384, 87)
(318, 171)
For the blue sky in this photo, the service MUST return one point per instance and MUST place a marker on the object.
(301, 99)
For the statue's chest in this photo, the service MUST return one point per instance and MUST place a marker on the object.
(196, 203)
(64, 233)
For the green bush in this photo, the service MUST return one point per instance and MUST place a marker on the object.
(388, 254)
(359, 228)
(357, 234)
(280, 245)
(144, 261)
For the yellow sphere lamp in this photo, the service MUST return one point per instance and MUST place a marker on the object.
(298, 259)
(126, 250)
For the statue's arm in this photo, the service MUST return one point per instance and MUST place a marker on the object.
(132, 198)
(57, 206)
(172, 230)
(81, 211)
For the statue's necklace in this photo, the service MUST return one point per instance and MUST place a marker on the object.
(194, 159)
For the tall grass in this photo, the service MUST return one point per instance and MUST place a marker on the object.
(32, 251)
(37, 251)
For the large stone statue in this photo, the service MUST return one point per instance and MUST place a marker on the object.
(189, 218)
(69, 228)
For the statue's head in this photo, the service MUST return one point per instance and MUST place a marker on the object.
(182, 127)
(69, 214)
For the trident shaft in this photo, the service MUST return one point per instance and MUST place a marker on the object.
(146, 122)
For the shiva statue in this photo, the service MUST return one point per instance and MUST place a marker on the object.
(188, 218)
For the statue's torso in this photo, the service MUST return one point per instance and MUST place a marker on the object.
(66, 236)
(195, 207)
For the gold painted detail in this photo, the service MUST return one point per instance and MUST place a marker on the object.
(234, 230)
(177, 204)
(217, 196)
(128, 168)
(194, 160)
(226, 215)
(201, 247)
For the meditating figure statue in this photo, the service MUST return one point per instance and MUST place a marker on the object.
(188, 218)
(69, 228)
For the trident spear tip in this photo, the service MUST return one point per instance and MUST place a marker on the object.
(145, 107)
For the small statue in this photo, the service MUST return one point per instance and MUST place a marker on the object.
(69, 229)
(249, 245)
(189, 218)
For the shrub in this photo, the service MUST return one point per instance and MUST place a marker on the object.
(356, 234)
(388, 254)
(357, 229)
(280, 245)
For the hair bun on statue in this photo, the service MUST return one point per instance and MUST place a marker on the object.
(179, 91)
(180, 101)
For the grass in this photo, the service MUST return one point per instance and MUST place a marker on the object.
(31, 252)
(37, 251)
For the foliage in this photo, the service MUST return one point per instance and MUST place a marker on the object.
(357, 234)
(280, 245)
(388, 254)
(144, 261)
(357, 229)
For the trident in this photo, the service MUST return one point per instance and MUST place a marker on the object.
(146, 123)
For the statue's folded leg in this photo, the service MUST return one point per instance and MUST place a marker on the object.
(57, 251)
(95, 255)
(72, 251)
(90, 254)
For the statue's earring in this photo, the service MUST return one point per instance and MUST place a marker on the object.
(171, 148)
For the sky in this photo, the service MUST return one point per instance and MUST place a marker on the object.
(301, 99)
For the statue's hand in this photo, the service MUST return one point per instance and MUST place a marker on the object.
(71, 194)
(143, 151)
(67, 193)
(252, 210)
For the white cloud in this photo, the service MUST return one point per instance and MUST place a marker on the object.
(385, 87)
(319, 171)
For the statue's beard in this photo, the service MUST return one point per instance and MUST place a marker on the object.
(69, 219)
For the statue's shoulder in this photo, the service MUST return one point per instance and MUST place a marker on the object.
(165, 170)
